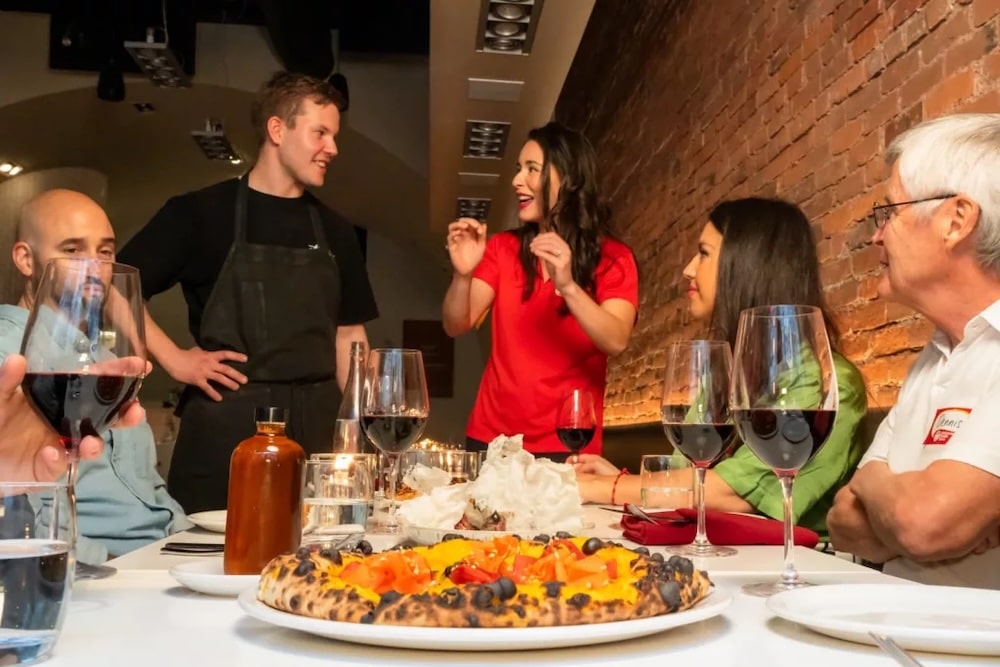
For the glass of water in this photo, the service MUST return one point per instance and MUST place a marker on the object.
(36, 568)
(665, 481)
(337, 497)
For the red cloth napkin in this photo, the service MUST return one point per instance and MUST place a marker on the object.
(679, 526)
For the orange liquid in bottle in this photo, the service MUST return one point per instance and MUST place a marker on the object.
(264, 512)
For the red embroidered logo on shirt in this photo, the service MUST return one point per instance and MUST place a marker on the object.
(946, 422)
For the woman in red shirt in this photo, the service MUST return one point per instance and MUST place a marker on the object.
(564, 295)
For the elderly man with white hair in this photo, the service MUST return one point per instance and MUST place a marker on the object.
(925, 499)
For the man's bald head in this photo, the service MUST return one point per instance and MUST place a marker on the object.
(60, 223)
(59, 208)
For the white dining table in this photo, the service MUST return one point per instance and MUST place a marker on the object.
(141, 616)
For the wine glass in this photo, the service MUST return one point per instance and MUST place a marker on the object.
(784, 402)
(86, 356)
(575, 421)
(694, 410)
(394, 409)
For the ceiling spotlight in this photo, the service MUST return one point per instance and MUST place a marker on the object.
(158, 62)
(485, 139)
(10, 168)
(214, 143)
(508, 26)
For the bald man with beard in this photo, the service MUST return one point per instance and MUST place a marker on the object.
(122, 503)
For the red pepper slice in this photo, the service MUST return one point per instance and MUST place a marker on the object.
(467, 574)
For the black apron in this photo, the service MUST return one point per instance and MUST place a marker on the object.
(277, 305)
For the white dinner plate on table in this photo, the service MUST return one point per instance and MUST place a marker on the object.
(206, 576)
(214, 520)
(942, 619)
(485, 639)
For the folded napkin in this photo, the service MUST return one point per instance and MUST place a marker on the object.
(723, 528)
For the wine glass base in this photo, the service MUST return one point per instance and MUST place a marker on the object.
(766, 590)
(86, 571)
(702, 551)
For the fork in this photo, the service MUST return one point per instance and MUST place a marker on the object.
(895, 651)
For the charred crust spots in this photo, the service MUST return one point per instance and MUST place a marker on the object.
(304, 568)
(294, 602)
(389, 597)
(519, 610)
(472, 620)
(579, 600)
(552, 588)
(483, 597)
(352, 595)
(451, 598)
(302, 553)
(367, 619)
(282, 572)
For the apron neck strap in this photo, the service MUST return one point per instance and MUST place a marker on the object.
(240, 223)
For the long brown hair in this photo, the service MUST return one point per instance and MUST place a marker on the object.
(578, 215)
(768, 257)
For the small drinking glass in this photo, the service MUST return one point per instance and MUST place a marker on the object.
(461, 465)
(665, 481)
(576, 422)
(336, 497)
(36, 568)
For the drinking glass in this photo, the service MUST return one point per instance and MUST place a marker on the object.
(36, 534)
(576, 422)
(694, 409)
(337, 497)
(86, 355)
(394, 409)
(664, 481)
(784, 402)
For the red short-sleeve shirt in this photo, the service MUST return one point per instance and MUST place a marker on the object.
(538, 356)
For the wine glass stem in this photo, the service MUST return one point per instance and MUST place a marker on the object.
(393, 464)
(789, 575)
(700, 538)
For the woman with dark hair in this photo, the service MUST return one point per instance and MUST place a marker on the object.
(756, 252)
(563, 291)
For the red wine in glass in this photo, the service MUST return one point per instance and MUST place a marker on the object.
(785, 440)
(576, 422)
(80, 404)
(393, 433)
(701, 444)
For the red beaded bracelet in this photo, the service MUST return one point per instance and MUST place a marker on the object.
(614, 487)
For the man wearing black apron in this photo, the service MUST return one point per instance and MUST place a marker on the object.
(273, 307)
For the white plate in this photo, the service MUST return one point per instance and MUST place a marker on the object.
(214, 521)
(205, 575)
(943, 619)
(428, 536)
(485, 639)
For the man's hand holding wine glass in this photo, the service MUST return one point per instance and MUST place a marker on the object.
(27, 444)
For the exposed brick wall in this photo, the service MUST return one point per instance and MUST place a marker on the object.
(693, 101)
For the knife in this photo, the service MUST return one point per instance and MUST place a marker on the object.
(193, 547)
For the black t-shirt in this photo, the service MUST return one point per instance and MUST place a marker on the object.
(188, 239)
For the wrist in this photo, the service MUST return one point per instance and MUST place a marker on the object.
(570, 290)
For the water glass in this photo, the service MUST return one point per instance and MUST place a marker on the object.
(36, 568)
(337, 496)
(665, 481)
(462, 466)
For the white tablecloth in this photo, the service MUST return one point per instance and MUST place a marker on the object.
(142, 617)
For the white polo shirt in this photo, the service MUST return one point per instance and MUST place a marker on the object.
(948, 409)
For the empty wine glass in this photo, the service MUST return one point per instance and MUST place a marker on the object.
(784, 401)
(86, 355)
(694, 410)
(394, 409)
(576, 422)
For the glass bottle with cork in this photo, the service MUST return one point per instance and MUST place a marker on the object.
(264, 512)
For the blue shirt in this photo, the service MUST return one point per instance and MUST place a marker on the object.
(122, 502)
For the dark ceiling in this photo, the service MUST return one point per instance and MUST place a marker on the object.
(86, 34)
